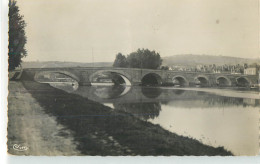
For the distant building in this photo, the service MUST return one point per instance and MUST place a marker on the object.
(251, 71)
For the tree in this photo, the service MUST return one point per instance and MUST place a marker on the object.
(142, 58)
(165, 68)
(120, 61)
(17, 38)
(245, 65)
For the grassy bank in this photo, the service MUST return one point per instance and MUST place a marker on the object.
(100, 130)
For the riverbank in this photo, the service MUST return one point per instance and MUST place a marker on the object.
(96, 129)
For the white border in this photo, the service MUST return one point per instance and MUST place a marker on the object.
(65, 160)
(4, 79)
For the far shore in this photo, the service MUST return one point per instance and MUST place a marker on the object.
(229, 92)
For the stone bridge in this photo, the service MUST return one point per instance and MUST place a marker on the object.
(134, 76)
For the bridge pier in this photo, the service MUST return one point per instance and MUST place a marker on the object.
(84, 84)
(136, 83)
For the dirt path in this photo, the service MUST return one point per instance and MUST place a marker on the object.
(31, 131)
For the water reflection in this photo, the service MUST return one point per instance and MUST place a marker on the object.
(151, 92)
(212, 119)
(110, 92)
(119, 94)
(67, 86)
(235, 128)
(143, 111)
(178, 92)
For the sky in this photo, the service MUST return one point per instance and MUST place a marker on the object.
(96, 30)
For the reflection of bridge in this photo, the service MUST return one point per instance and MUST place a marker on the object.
(104, 94)
(117, 95)
(85, 75)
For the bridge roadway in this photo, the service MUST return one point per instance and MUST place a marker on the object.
(135, 76)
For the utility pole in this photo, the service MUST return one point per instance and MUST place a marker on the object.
(92, 57)
(141, 65)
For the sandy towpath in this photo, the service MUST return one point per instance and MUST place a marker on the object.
(33, 132)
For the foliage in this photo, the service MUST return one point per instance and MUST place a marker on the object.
(165, 68)
(142, 58)
(120, 61)
(17, 38)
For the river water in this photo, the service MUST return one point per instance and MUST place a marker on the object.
(216, 117)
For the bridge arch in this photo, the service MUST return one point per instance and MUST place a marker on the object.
(117, 76)
(66, 73)
(201, 80)
(180, 80)
(223, 81)
(243, 82)
(151, 79)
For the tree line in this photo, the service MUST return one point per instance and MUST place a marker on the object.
(142, 58)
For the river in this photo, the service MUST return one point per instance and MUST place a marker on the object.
(216, 117)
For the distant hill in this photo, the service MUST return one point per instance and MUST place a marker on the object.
(184, 60)
(49, 64)
(192, 60)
